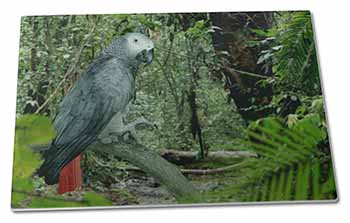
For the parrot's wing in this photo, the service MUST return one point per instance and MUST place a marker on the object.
(82, 113)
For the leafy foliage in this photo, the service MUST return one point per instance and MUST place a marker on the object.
(30, 129)
(293, 53)
(33, 130)
(294, 158)
(294, 163)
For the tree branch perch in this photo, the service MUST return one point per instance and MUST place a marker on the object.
(151, 163)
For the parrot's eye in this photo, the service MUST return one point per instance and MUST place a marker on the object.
(135, 40)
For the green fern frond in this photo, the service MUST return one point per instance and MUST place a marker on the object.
(296, 61)
(291, 166)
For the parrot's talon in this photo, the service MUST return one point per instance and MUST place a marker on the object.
(106, 140)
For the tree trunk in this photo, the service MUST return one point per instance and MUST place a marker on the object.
(232, 36)
(196, 129)
(186, 20)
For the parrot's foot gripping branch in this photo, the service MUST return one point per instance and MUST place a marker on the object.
(126, 132)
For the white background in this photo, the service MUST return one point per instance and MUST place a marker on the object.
(331, 19)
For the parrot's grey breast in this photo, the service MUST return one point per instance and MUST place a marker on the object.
(116, 81)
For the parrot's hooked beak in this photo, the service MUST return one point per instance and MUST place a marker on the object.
(146, 56)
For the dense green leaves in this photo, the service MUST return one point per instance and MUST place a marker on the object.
(292, 164)
(293, 53)
(30, 129)
(37, 130)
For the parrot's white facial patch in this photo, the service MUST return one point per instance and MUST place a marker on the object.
(139, 47)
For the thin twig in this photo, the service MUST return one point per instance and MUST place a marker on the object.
(246, 73)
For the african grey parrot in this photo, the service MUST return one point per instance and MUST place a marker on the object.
(103, 91)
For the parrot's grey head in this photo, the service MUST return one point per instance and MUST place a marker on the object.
(138, 47)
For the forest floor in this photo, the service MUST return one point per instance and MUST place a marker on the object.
(140, 189)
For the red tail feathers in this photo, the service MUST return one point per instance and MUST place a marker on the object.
(70, 176)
